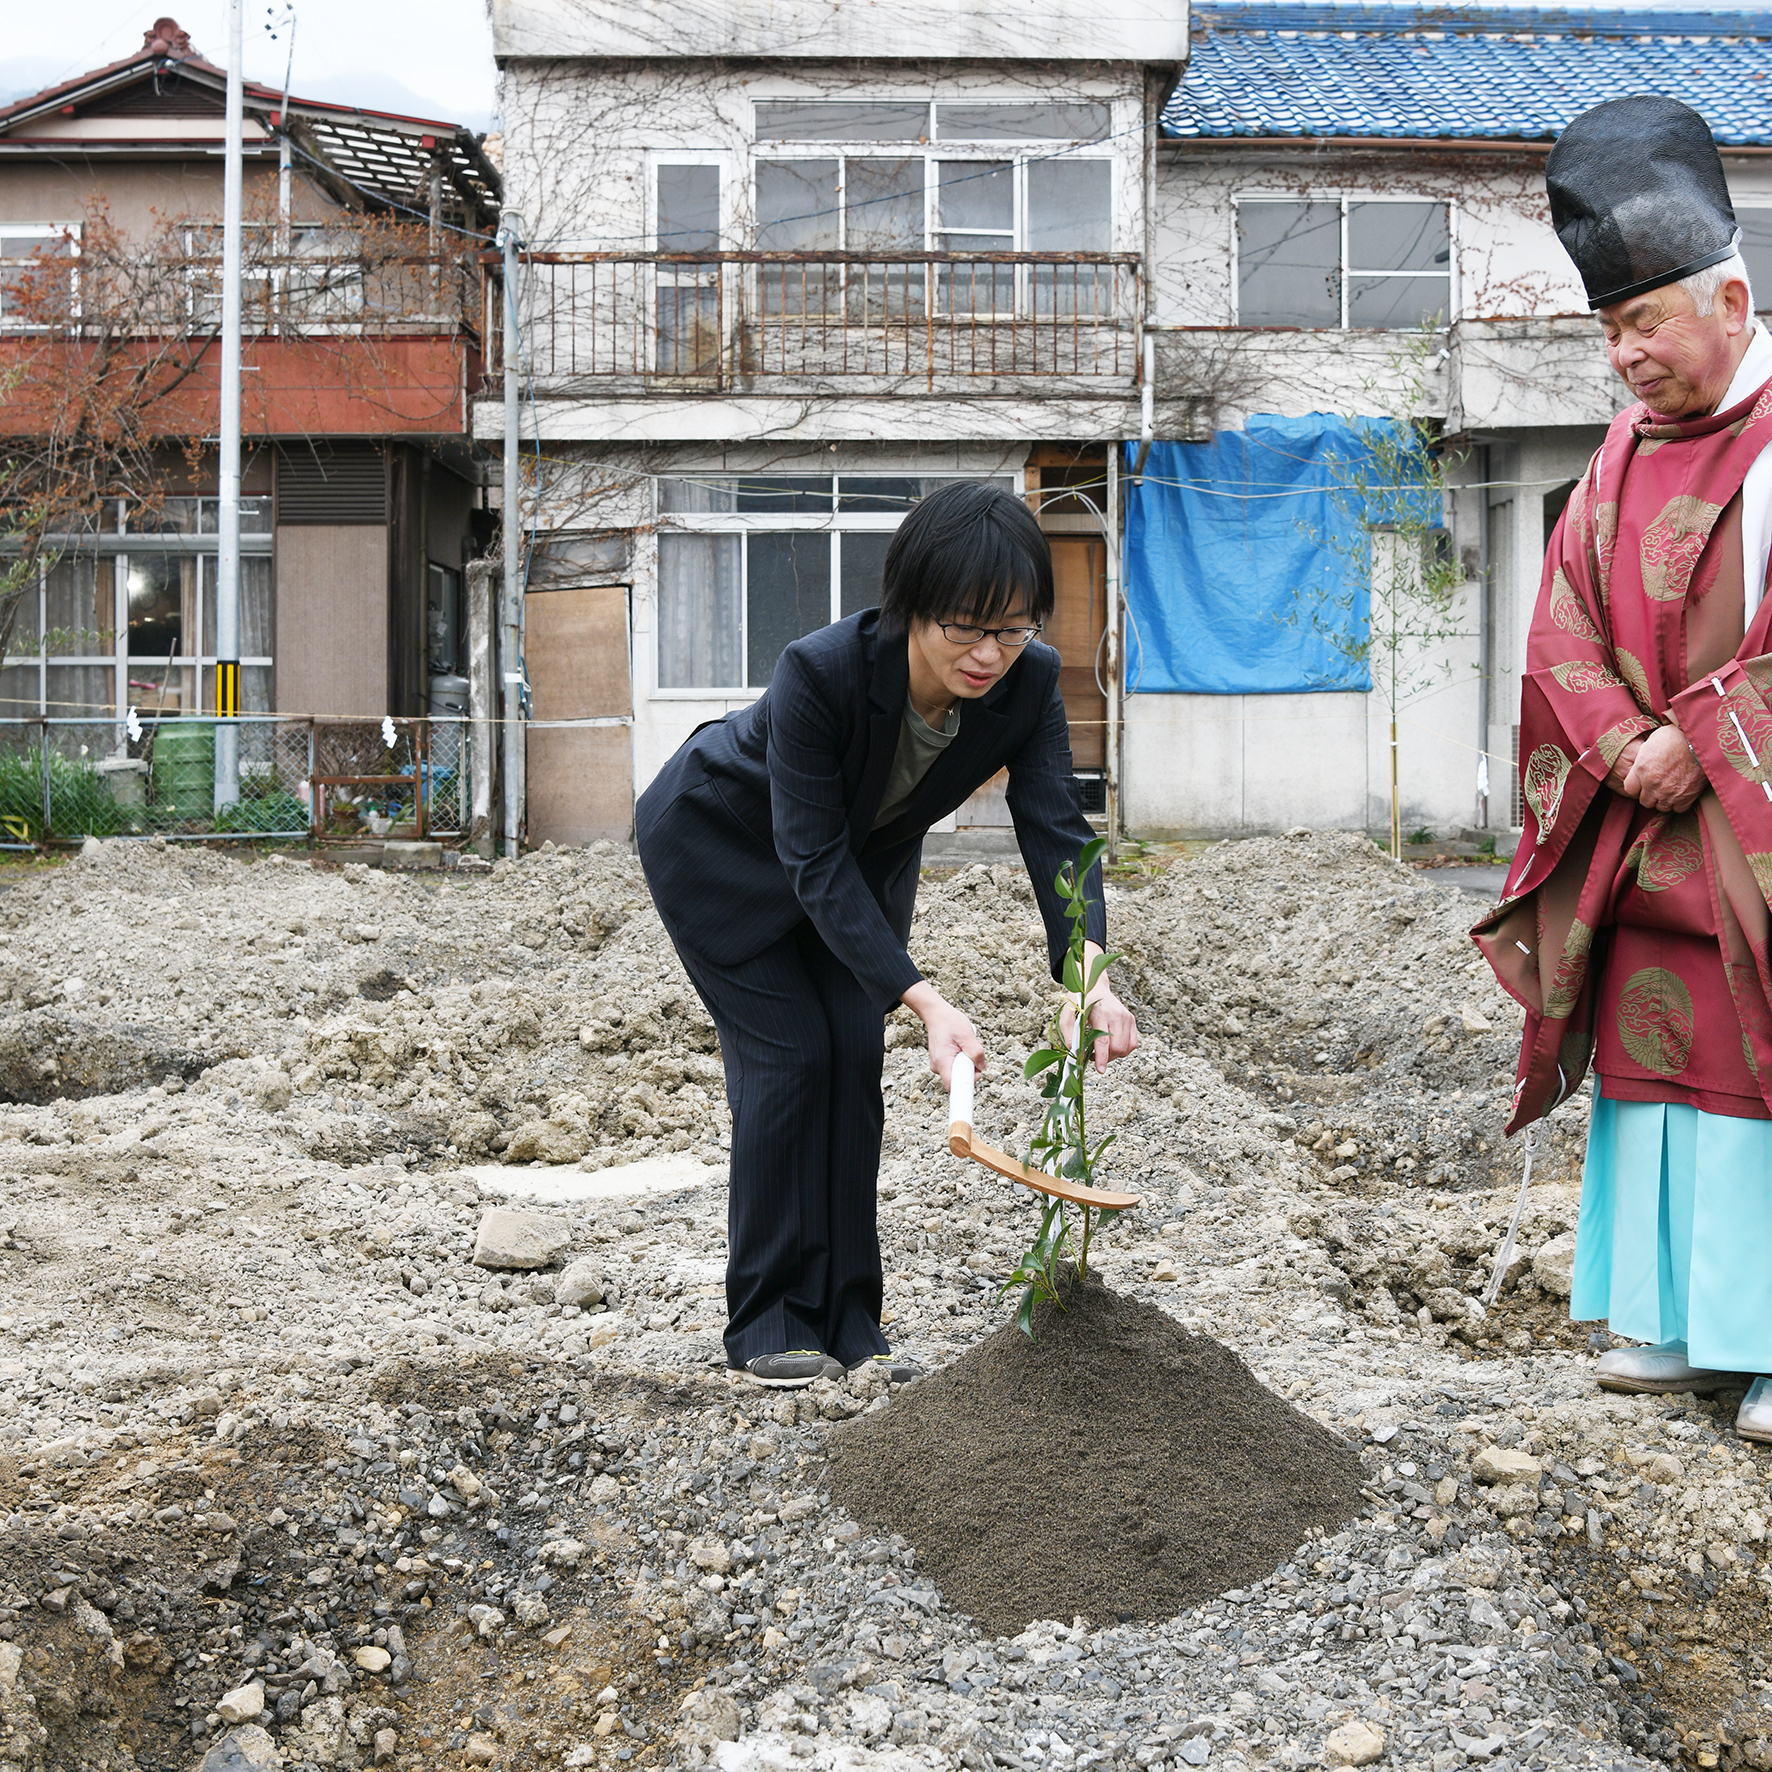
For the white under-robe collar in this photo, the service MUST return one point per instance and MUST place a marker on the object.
(1754, 369)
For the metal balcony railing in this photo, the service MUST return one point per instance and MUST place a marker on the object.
(297, 293)
(759, 321)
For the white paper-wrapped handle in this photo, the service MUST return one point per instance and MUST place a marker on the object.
(960, 1081)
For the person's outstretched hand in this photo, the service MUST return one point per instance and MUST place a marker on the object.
(950, 1033)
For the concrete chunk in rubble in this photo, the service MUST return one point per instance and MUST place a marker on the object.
(511, 1239)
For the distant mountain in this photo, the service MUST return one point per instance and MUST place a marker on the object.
(21, 75)
(376, 91)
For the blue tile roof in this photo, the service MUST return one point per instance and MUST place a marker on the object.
(1466, 73)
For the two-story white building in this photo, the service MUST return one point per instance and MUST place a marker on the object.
(1350, 219)
(788, 266)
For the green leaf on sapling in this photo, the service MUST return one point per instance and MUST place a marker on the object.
(1099, 965)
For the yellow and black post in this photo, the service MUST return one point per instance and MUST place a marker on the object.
(227, 687)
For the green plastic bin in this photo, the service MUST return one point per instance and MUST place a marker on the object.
(184, 768)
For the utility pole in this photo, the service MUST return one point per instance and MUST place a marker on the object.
(510, 647)
(227, 574)
(285, 150)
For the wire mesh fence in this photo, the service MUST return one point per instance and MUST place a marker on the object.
(62, 780)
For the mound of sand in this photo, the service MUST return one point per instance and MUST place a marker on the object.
(1118, 1466)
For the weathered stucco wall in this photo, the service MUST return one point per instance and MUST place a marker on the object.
(1148, 30)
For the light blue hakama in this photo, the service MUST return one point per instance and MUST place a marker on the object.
(1675, 1237)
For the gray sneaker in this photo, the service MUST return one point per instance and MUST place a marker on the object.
(794, 1370)
(1753, 1421)
(1657, 1370)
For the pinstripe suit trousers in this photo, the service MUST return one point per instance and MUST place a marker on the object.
(804, 1047)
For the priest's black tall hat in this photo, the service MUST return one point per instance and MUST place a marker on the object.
(1638, 197)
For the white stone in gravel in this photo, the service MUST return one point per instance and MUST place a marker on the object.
(579, 1285)
(1500, 1464)
(712, 1554)
(372, 1660)
(242, 1704)
(605, 1488)
(510, 1239)
(769, 1751)
(560, 1184)
(1553, 1267)
(1354, 1744)
(247, 1749)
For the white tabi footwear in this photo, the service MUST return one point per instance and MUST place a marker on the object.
(1753, 1420)
(1660, 1368)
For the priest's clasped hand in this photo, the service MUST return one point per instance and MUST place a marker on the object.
(1659, 772)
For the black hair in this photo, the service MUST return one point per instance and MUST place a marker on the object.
(970, 552)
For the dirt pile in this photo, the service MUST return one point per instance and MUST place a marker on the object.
(235, 1221)
(1115, 1466)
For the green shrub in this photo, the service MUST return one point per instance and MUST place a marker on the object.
(275, 811)
(80, 803)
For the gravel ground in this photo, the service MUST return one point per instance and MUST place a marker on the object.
(287, 1478)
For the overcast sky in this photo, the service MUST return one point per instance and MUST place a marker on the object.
(429, 57)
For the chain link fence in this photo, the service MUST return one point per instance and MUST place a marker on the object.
(62, 780)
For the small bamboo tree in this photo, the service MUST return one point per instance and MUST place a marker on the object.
(1061, 1144)
(1391, 487)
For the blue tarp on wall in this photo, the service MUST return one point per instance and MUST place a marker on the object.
(1231, 546)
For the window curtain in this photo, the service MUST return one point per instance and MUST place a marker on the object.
(700, 611)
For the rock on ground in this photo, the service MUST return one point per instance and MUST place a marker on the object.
(245, 1348)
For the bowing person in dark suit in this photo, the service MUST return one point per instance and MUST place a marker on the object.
(782, 847)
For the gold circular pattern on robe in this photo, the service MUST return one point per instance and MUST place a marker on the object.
(1606, 537)
(1632, 669)
(1546, 771)
(1567, 609)
(1672, 543)
(1669, 855)
(1571, 972)
(1655, 1020)
(1755, 721)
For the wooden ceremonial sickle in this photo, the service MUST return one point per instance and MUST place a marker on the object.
(963, 1144)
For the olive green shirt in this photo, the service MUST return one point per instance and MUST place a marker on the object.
(919, 744)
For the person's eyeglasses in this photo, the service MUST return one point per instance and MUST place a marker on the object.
(960, 634)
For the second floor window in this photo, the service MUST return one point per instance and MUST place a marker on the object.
(1343, 262)
(37, 272)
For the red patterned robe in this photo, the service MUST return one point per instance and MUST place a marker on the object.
(1638, 941)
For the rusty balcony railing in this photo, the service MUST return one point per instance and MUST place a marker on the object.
(328, 290)
(784, 322)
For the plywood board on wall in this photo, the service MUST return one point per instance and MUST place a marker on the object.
(581, 778)
(581, 784)
(332, 620)
(575, 647)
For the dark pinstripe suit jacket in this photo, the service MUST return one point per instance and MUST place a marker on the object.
(765, 817)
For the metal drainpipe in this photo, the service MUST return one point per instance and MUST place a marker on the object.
(1111, 749)
(510, 656)
(1485, 633)
(1147, 405)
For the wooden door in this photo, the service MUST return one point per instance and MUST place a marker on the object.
(1079, 574)
(580, 776)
